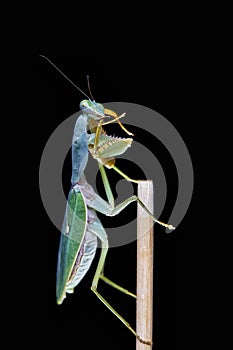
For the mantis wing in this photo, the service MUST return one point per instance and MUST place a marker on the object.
(73, 231)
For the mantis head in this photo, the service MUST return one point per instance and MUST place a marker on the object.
(95, 110)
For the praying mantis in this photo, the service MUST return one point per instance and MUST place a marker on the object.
(81, 226)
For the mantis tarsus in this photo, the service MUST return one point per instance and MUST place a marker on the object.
(81, 226)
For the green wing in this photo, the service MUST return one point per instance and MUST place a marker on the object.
(73, 231)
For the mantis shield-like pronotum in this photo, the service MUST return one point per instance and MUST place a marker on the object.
(81, 226)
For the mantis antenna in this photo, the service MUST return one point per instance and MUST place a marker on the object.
(89, 88)
(67, 77)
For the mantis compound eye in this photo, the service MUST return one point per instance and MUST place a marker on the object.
(83, 104)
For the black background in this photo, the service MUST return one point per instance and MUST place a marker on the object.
(166, 83)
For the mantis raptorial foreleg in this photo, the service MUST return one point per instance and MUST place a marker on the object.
(114, 115)
(110, 160)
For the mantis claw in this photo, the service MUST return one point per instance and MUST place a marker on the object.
(147, 342)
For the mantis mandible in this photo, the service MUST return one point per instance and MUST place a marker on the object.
(81, 226)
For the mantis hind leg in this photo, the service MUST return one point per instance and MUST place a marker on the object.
(97, 228)
(104, 301)
(114, 285)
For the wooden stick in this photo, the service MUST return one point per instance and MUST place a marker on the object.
(145, 239)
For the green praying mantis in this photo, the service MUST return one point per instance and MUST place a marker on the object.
(81, 226)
